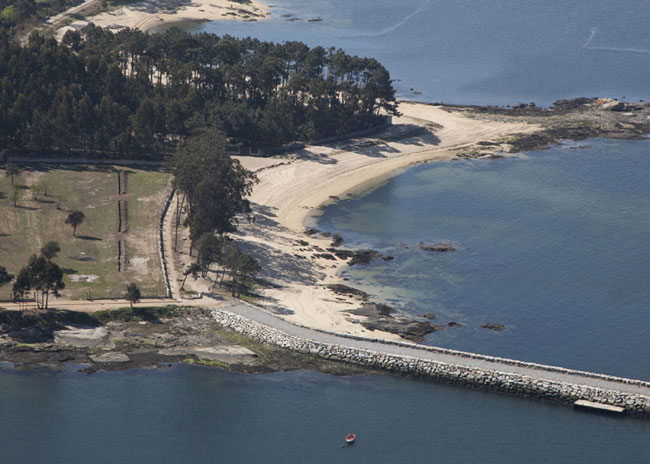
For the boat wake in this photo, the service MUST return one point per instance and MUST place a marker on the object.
(396, 26)
(588, 46)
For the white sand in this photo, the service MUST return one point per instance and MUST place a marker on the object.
(288, 195)
(151, 14)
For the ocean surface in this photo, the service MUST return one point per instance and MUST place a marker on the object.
(478, 52)
(192, 415)
(554, 245)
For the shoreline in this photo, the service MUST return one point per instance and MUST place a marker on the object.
(292, 194)
(151, 16)
(295, 188)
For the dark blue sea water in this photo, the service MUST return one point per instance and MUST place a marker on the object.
(479, 52)
(196, 415)
(554, 245)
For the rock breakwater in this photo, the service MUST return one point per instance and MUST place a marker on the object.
(529, 386)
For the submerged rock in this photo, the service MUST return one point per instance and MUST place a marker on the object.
(493, 326)
(438, 247)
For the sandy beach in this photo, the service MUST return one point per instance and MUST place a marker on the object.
(293, 189)
(149, 15)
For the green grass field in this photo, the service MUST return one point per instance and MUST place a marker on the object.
(93, 252)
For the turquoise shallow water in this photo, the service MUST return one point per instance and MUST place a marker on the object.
(479, 52)
(196, 415)
(554, 245)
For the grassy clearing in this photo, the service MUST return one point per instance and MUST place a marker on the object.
(38, 219)
(128, 314)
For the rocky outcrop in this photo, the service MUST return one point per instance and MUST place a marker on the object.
(82, 338)
(346, 290)
(379, 316)
(610, 104)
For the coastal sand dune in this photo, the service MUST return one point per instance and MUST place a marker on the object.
(148, 15)
(293, 190)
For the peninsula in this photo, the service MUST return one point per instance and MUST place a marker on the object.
(306, 127)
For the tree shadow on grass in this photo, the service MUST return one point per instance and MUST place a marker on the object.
(30, 208)
(88, 237)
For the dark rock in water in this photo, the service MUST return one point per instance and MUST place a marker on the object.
(302, 243)
(410, 330)
(336, 240)
(439, 247)
(374, 309)
(342, 289)
(363, 257)
(454, 324)
(311, 231)
(341, 254)
(325, 256)
(428, 316)
(379, 317)
(387, 258)
(314, 20)
(572, 103)
(493, 326)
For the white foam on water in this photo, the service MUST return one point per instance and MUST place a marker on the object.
(396, 26)
(612, 49)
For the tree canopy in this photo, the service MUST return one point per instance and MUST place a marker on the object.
(41, 275)
(5, 277)
(50, 249)
(136, 95)
(133, 293)
(215, 184)
(75, 218)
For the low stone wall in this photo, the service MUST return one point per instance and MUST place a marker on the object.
(161, 242)
(488, 379)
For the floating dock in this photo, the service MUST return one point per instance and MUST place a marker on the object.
(598, 407)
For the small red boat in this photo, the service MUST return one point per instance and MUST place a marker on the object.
(349, 438)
